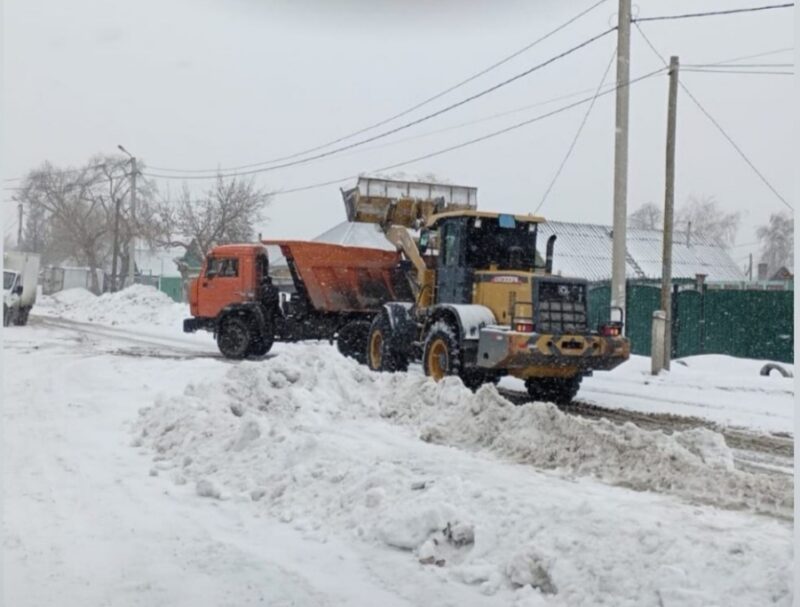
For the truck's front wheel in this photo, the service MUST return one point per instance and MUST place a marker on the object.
(261, 341)
(234, 337)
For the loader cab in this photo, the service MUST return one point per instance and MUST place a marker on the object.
(473, 241)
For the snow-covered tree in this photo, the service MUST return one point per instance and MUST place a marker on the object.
(705, 217)
(777, 241)
(647, 217)
(226, 212)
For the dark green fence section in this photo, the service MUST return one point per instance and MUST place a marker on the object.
(751, 324)
(755, 324)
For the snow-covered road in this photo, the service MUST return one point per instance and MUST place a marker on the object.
(319, 491)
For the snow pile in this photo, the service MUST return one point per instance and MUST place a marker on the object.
(326, 446)
(696, 464)
(140, 305)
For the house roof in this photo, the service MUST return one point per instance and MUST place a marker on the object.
(584, 250)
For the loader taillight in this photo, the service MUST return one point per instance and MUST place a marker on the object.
(613, 330)
(524, 327)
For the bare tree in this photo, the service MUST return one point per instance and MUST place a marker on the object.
(647, 217)
(76, 219)
(704, 216)
(225, 213)
(777, 241)
(83, 214)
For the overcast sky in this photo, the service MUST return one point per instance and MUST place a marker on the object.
(212, 83)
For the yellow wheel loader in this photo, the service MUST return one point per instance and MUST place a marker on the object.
(484, 303)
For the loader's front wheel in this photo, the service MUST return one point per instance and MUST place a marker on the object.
(234, 337)
(383, 350)
(441, 355)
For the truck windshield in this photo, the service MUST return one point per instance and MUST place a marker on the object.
(509, 246)
(8, 279)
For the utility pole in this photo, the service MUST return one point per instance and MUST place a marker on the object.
(750, 269)
(19, 226)
(669, 205)
(621, 158)
(131, 237)
(115, 252)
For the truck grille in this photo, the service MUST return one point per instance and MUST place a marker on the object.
(561, 307)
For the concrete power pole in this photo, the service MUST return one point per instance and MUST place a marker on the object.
(669, 206)
(621, 157)
(132, 238)
(19, 226)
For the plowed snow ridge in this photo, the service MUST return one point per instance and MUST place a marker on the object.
(226, 431)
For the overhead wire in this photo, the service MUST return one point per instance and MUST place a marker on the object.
(472, 141)
(404, 126)
(405, 112)
(577, 134)
(731, 11)
(717, 124)
(756, 72)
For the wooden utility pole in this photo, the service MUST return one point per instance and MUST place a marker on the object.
(131, 236)
(19, 225)
(621, 157)
(669, 205)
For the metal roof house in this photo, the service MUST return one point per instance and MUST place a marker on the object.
(584, 251)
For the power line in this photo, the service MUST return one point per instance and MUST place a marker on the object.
(718, 125)
(577, 134)
(731, 11)
(439, 112)
(721, 66)
(405, 112)
(757, 72)
(756, 55)
(469, 142)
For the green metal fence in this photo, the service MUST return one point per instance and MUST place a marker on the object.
(172, 286)
(751, 324)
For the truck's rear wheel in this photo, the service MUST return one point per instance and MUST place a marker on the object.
(441, 355)
(558, 390)
(234, 337)
(352, 340)
(383, 351)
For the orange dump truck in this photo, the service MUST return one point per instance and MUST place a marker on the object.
(334, 293)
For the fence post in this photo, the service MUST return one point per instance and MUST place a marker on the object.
(657, 338)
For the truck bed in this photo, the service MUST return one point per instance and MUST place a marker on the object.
(338, 278)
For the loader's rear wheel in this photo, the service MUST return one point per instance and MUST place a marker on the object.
(384, 353)
(234, 337)
(558, 390)
(353, 339)
(441, 355)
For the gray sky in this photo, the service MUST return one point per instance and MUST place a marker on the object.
(207, 83)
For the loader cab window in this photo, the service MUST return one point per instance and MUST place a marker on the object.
(222, 267)
(502, 242)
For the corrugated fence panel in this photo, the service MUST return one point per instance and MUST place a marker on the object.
(687, 328)
(754, 324)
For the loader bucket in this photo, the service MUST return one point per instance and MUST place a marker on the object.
(404, 203)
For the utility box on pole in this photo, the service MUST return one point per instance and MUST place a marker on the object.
(657, 341)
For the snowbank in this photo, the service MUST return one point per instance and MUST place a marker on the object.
(323, 444)
(139, 305)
